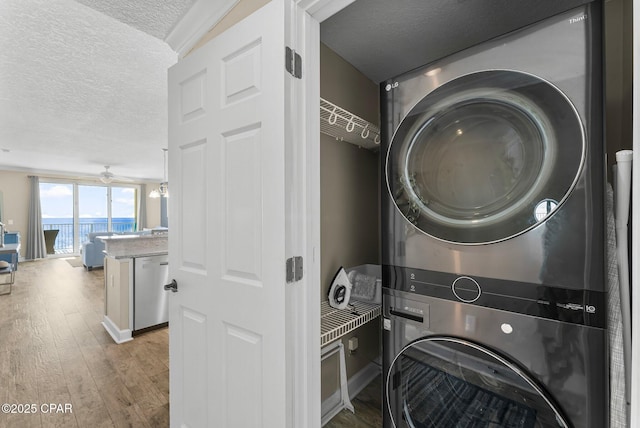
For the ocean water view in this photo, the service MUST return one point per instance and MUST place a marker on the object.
(64, 239)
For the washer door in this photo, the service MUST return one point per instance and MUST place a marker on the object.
(450, 382)
(485, 157)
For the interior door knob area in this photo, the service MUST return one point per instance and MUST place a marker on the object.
(173, 286)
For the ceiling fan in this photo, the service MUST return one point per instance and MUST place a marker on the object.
(107, 176)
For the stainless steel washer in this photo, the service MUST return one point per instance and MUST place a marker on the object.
(451, 364)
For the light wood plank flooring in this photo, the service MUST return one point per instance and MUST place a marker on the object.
(53, 349)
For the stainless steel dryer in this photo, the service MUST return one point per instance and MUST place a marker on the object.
(450, 364)
(494, 160)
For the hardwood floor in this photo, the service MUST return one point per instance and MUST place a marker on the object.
(53, 350)
(368, 409)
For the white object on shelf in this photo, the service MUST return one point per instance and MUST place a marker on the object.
(372, 271)
(345, 126)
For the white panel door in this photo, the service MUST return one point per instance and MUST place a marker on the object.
(227, 228)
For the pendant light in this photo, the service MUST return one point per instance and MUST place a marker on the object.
(163, 190)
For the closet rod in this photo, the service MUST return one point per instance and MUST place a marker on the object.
(345, 126)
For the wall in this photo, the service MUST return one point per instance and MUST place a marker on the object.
(15, 188)
(349, 175)
(240, 11)
(618, 24)
(350, 220)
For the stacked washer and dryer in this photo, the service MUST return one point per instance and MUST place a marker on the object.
(493, 233)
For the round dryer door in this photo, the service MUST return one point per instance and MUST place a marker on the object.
(485, 157)
(450, 382)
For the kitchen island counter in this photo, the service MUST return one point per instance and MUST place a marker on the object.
(122, 246)
(127, 257)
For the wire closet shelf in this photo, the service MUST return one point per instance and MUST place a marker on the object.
(335, 323)
(345, 126)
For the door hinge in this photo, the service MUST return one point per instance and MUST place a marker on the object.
(294, 269)
(293, 63)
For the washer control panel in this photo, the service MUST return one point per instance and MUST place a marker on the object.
(466, 289)
(561, 304)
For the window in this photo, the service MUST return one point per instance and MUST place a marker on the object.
(123, 209)
(76, 210)
(56, 204)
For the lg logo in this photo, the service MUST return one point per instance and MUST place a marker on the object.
(391, 86)
(590, 309)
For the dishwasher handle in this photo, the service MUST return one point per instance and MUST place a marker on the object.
(173, 286)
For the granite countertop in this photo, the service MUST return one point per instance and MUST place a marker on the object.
(137, 255)
(129, 246)
(130, 237)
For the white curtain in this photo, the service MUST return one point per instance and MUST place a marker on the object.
(164, 212)
(142, 207)
(36, 248)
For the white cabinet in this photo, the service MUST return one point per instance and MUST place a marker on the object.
(135, 298)
(118, 276)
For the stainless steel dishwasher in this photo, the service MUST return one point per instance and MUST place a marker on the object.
(151, 304)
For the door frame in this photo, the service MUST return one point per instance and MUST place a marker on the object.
(306, 40)
(302, 150)
(635, 221)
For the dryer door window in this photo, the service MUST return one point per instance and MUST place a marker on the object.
(485, 157)
(450, 382)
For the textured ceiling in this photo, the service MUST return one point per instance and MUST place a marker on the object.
(80, 88)
(154, 17)
(83, 82)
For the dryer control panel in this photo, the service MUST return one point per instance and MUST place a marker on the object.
(585, 307)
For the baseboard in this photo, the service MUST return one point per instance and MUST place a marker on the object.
(331, 407)
(355, 384)
(119, 336)
(360, 380)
